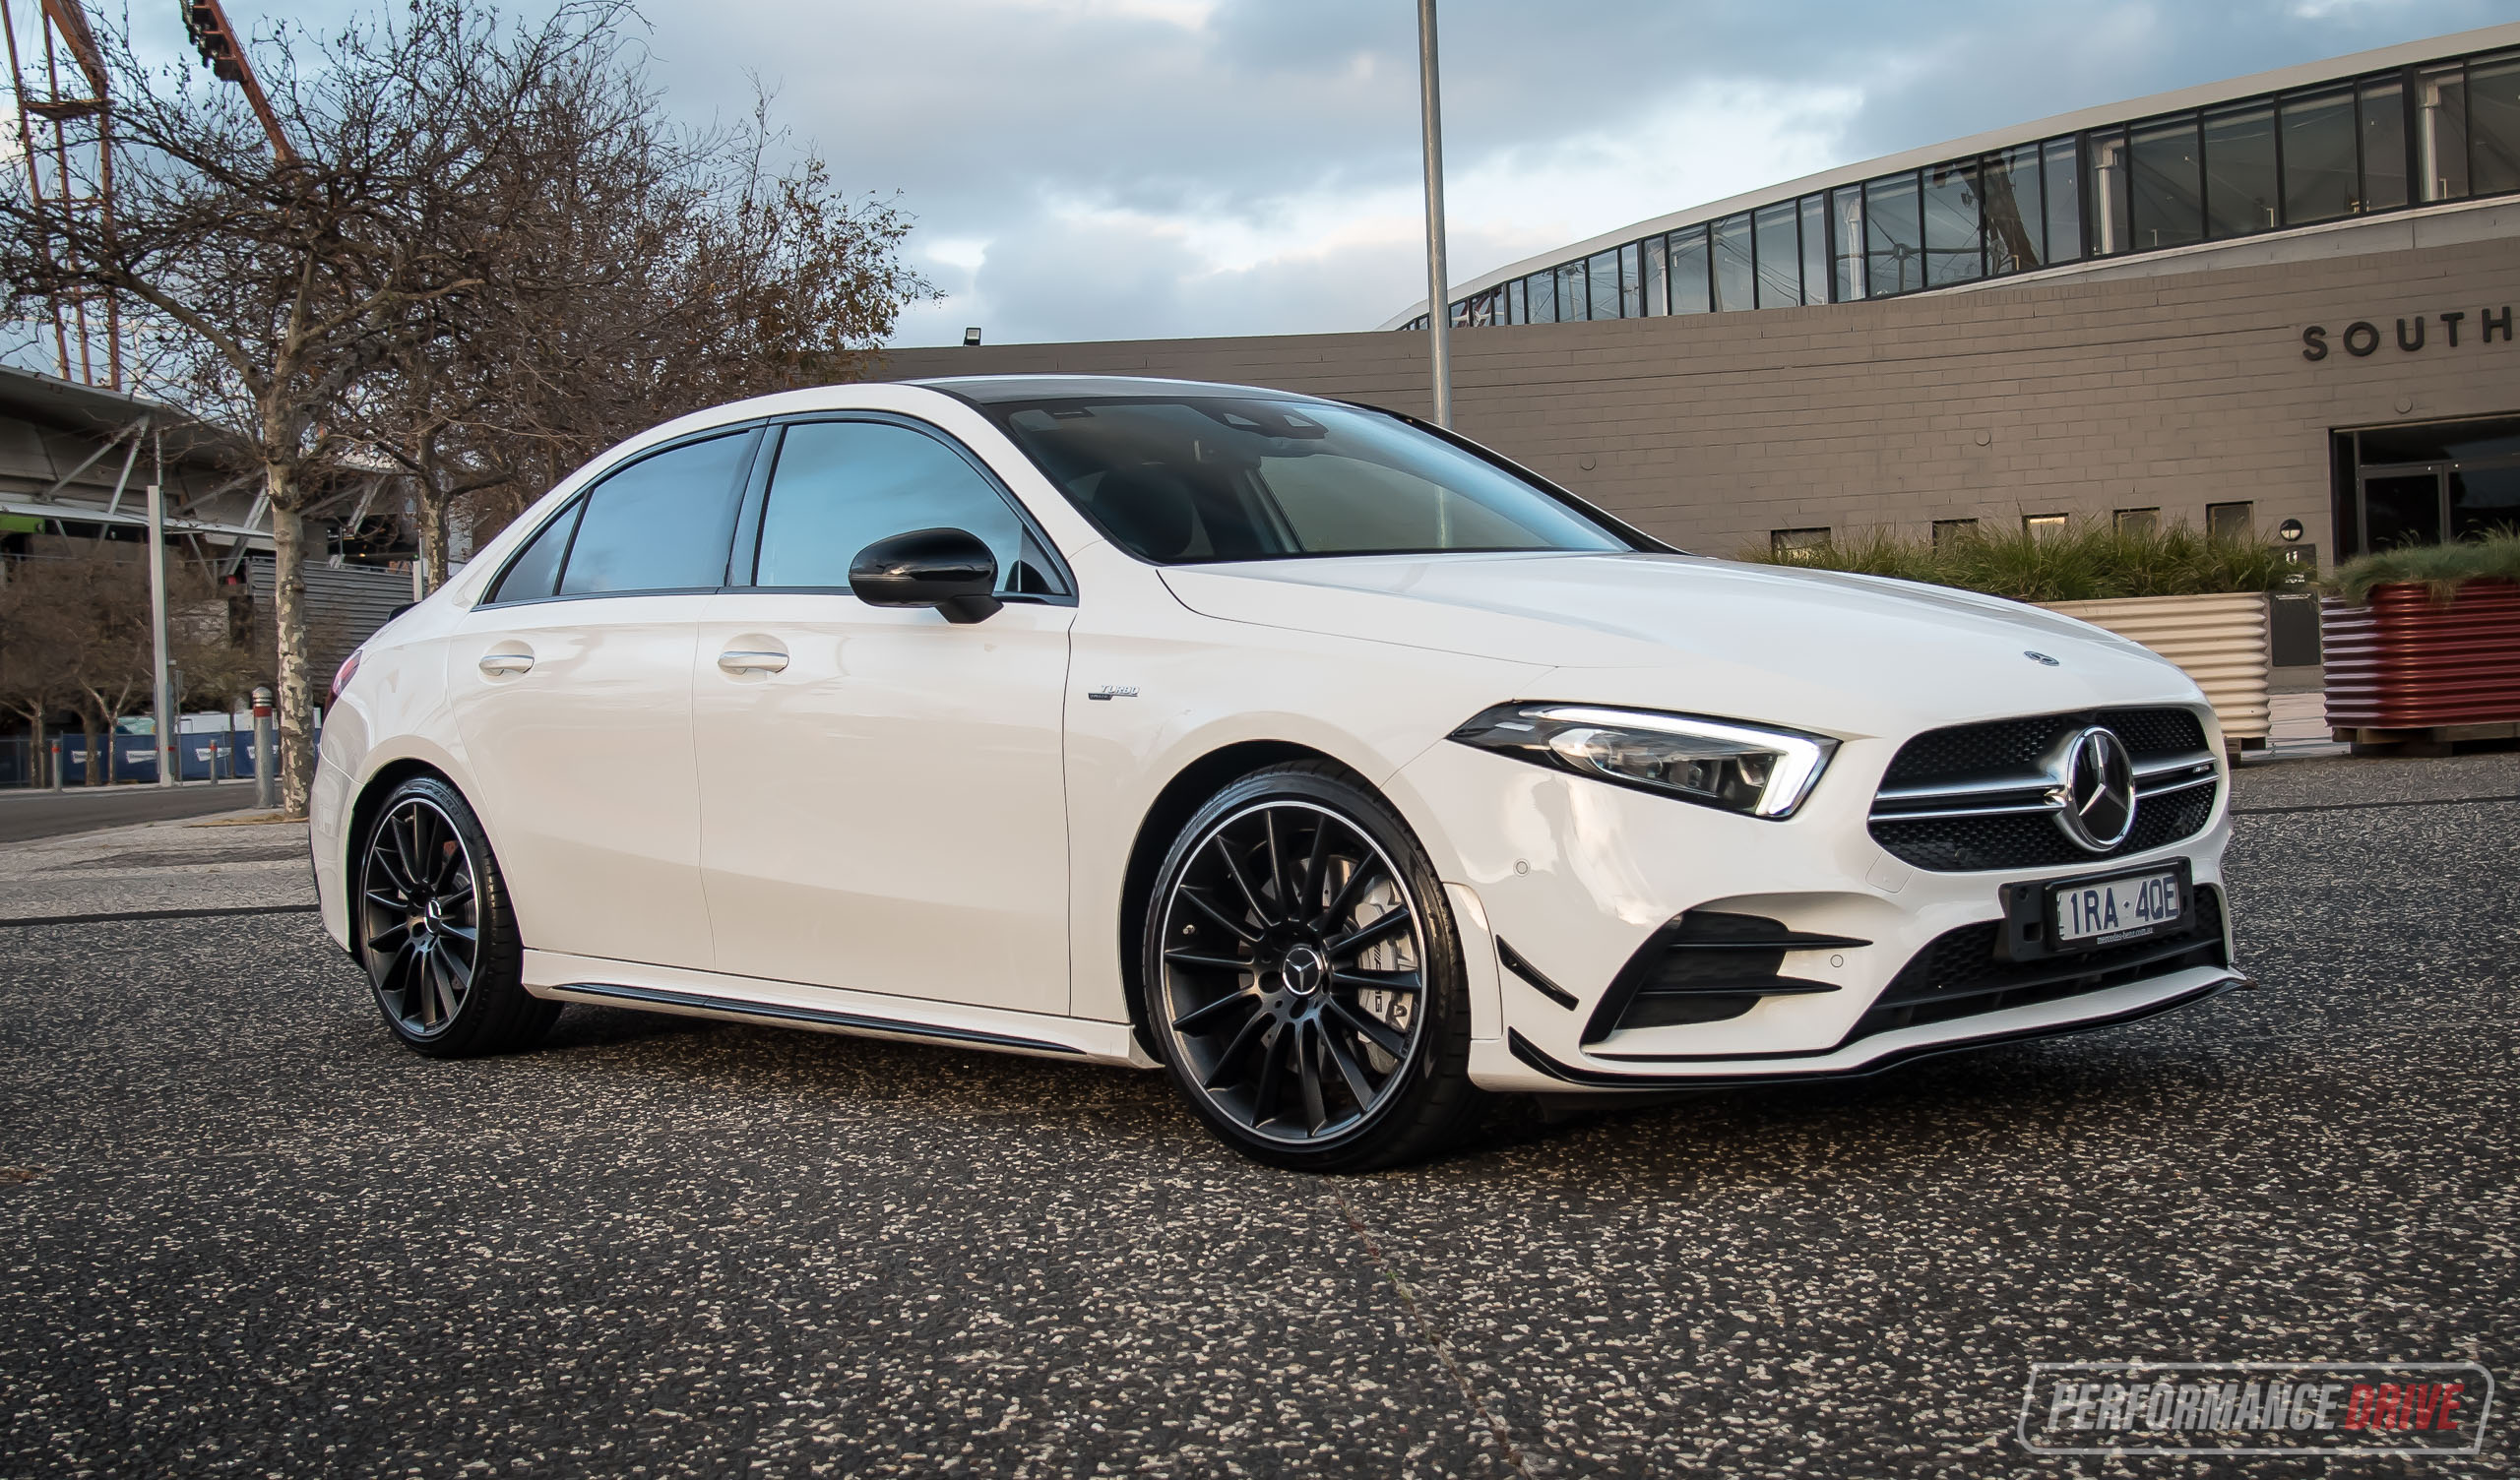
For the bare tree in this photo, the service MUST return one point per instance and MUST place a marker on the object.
(35, 675)
(288, 280)
(75, 634)
(645, 270)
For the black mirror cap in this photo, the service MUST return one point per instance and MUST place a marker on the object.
(951, 569)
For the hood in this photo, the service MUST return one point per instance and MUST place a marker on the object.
(1821, 648)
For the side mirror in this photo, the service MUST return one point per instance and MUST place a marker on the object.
(947, 569)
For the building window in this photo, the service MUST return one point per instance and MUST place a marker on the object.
(1516, 309)
(1894, 240)
(2443, 131)
(1815, 249)
(1846, 223)
(1631, 281)
(1658, 276)
(2166, 184)
(2494, 124)
(1602, 271)
(2239, 170)
(2137, 521)
(1954, 248)
(1736, 274)
(1797, 544)
(1573, 305)
(1946, 530)
(2231, 520)
(2061, 174)
(1690, 272)
(1541, 292)
(2383, 104)
(2014, 219)
(2107, 233)
(2319, 183)
(2045, 525)
(1780, 256)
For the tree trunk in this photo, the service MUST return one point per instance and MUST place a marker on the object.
(432, 523)
(101, 761)
(297, 704)
(38, 760)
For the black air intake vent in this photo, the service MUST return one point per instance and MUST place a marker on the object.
(1704, 967)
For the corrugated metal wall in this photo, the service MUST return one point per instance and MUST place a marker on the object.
(2221, 640)
(344, 605)
(2406, 663)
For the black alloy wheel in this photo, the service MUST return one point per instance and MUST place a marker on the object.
(434, 931)
(1306, 976)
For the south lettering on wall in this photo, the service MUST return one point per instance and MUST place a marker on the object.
(2362, 337)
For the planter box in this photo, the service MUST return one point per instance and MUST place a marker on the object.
(2219, 640)
(2407, 669)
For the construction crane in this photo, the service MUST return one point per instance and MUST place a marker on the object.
(206, 22)
(65, 130)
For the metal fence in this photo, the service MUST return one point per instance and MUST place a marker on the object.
(200, 757)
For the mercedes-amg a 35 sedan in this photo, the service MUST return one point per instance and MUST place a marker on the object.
(1341, 767)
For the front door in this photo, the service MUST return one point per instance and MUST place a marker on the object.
(882, 805)
(571, 687)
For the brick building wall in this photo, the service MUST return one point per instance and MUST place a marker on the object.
(2082, 397)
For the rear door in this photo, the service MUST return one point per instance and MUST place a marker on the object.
(882, 801)
(572, 690)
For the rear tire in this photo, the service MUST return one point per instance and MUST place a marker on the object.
(1304, 979)
(430, 912)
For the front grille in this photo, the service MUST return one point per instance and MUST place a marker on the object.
(1959, 975)
(2033, 840)
(2000, 769)
(1971, 750)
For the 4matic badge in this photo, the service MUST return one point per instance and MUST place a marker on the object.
(1112, 691)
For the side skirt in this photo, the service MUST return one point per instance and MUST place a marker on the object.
(700, 994)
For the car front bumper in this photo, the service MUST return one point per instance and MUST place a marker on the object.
(1573, 878)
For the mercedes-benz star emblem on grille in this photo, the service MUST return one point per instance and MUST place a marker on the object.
(2037, 656)
(2096, 797)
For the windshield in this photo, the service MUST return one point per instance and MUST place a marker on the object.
(1182, 481)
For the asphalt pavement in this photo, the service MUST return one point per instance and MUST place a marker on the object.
(28, 814)
(243, 1234)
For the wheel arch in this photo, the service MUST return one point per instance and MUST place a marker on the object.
(1183, 796)
(370, 800)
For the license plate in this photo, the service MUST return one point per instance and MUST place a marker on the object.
(2092, 912)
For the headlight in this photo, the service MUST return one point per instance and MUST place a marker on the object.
(1714, 763)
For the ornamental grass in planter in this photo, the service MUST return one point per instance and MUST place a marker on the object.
(2196, 599)
(2423, 644)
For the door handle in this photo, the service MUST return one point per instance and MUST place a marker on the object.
(506, 663)
(740, 662)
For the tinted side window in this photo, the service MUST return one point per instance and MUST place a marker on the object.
(537, 567)
(839, 487)
(661, 523)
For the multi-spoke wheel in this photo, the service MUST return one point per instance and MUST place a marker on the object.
(1304, 975)
(434, 932)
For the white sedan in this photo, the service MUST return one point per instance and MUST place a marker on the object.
(1338, 766)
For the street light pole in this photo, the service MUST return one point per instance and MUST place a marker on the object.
(1439, 313)
(161, 690)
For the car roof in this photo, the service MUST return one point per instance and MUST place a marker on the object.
(988, 390)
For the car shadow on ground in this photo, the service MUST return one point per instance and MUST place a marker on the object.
(1930, 1118)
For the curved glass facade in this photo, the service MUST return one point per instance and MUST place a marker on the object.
(2423, 135)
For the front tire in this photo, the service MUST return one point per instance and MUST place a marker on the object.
(435, 931)
(1303, 976)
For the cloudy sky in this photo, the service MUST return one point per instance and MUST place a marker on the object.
(1123, 168)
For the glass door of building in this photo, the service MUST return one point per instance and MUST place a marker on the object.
(2421, 485)
(2401, 507)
